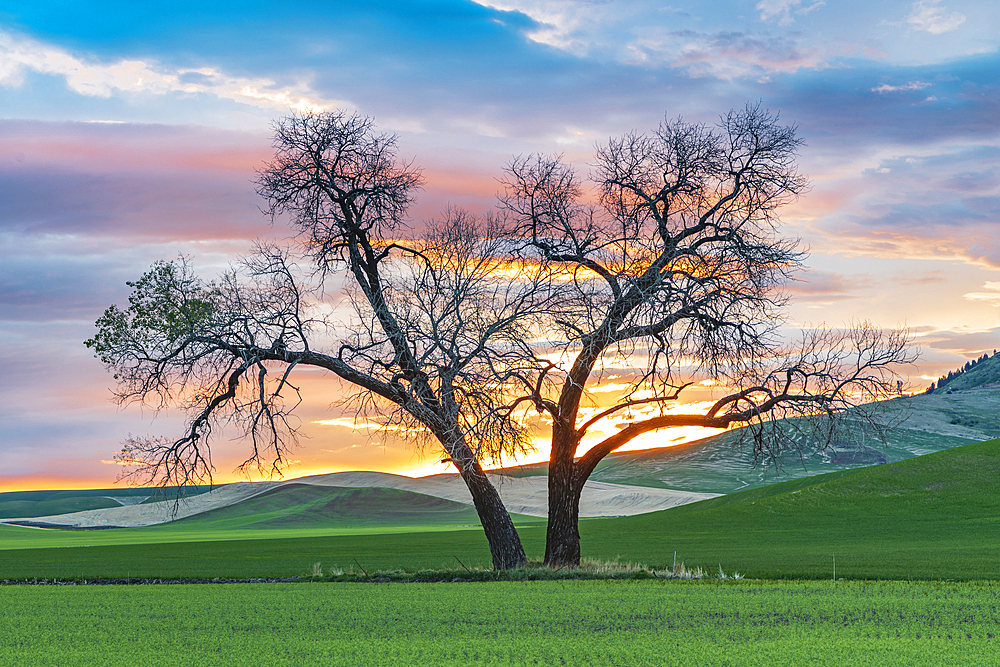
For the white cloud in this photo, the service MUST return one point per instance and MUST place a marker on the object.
(568, 26)
(913, 85)
(928, 16)
(782, 10)
(631, 32)
(992, 296)
(97, 79)
(723, 55)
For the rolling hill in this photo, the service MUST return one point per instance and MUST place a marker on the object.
(933, 422)
(967, 411)
(307, 506)
(526, 496)
(933, 516)
(26, 504)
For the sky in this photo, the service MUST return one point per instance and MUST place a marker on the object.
(131, 135)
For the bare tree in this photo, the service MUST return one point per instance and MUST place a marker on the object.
(438, 333)
(680, 268)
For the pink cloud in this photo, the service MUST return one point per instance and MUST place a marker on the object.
(812, 285)
(110, 146)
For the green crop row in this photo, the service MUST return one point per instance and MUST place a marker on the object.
(546, 623)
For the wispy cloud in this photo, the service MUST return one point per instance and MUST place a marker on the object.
(92, 78)
(783, 9)
(993, 296)
(358, 425)
(631, 34)
(565, 25)
(812, 285)
(911, 86)
(966, 343)
(724, 55)
(928, 16)
(941, 203)
(128, 182)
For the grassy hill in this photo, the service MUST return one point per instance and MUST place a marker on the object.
(719, 465)
(932, 517)
(933, 422)
(966, 411)
(935, 516)
(977, 373)
(307, 506)
(27, 504)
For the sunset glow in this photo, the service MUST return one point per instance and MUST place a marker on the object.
(129, 139)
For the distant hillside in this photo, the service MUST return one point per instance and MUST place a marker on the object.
(26, 504)
(976, 373)
(966, 411)
(934, 422)
(911, 518)
(308, 506)
(717, 465)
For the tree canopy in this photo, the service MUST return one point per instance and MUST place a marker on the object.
(679, 268)
(433, 339)
(672, 265)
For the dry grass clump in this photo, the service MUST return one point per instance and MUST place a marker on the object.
(609, 568)
(590, 568)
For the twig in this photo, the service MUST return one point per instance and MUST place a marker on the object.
(463, 565)
(367, 576)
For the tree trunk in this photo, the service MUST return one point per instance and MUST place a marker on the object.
(562, 538)
(505, 544)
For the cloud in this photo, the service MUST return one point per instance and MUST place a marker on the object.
(943, 204)
(969, 344)
(37, 284)
(929, 17)
(84, 207)
(815, 286)
(896, 177)
(582, 27)
(723, 55)
(632, 33)
(128, 181)
(360, 424)
(842, 112)
(913, 85)
(935, 277)
(92, 78)
(782, 10)
(557, 25)
(992, 296)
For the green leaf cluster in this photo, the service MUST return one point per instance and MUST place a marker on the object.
(167, 306)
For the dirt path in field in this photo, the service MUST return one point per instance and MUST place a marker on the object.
(525, 495)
